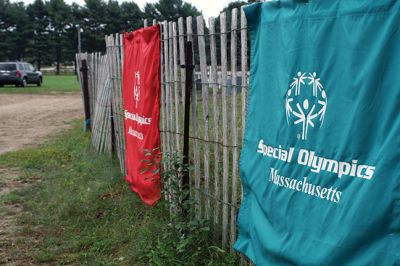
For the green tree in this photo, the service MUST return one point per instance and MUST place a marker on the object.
(94, 23)
(170, 10)
(15, 31)
(113, 20)
(39, 45)
(60, 21)
(132, 16)
(5, 26)
(77, 20)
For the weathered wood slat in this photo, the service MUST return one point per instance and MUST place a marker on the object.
(196, 155)
(91, 76)
(163, 98)
(195, 123)
(114, 99)
(107, 120)
(100, 103)
(121, 110)
(164, 111)
(204, 87)
(96, 118)
(182, 57)
(114, 89)
(171, 96)
(177, 85)
(116, 108)
(171, 87)
(243, 39)
(122, 49)
(214, 81)
(224, 64)
(234, 130)
(167, 86)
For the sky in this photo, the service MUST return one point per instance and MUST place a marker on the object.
(208, 7)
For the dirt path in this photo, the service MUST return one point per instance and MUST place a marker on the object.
(27, 119)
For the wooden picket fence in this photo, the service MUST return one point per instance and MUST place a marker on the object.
(218, 108)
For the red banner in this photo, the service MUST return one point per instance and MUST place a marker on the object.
(141, 93)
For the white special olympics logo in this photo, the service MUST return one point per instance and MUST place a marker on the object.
(306, 102)
(136, 87)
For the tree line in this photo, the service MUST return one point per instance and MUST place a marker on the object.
(46, 32)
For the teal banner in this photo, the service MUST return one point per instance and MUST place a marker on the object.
(320, 164)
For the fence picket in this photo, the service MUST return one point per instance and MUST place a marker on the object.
(243, 39)
(181, 34)
(204, 87)
(118, 110)
(162, 94)
(234, 123)
(164, 111)
(224, 68)
(214, 84)
(177, 85)
(121, 102)
(195, 123)
(172, 86)
(166, 85)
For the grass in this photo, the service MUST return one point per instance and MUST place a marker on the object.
(51, 84)
(81, 211)
(84, 210)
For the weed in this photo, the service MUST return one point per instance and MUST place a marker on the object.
(185, 239)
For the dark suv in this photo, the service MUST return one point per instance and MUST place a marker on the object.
(19, 74)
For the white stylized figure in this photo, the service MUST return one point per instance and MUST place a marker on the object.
(301, 116)
(309, 119)
(316, 83)
(287, 105)
(297, 81)
(323, 103)
(136, 87)
(306, 120)
(307, 107)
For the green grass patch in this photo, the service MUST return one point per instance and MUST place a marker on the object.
(82, 211)
(51, 84)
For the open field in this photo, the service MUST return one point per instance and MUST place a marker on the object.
(51, 84)
(27, 119)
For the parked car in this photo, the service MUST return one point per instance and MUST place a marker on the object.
(19, 74)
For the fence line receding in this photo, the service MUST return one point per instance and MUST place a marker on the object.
(218, 108)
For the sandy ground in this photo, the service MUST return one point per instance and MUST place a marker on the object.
(27, 119)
